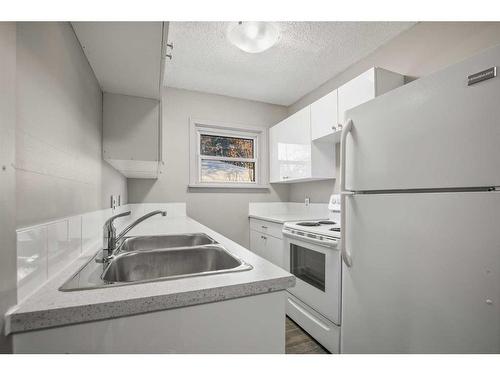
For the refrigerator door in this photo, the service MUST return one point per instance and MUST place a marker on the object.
(425, 274)
(435, 132)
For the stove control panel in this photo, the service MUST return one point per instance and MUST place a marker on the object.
(312, 237)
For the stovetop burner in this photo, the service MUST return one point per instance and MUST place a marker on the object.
(335, 229)
(309, 224)
(327, 222)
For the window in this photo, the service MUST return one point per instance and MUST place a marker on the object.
(226, 155)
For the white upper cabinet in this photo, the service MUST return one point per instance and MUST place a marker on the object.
(365, 87)
(328, 112)
(131, 134)
(302, 147)
(126, 57)
(291, 147)
(324, 115)
(293, 156)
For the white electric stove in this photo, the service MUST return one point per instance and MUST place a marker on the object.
(312, 255)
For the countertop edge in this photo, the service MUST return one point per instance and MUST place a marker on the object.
(36, 320)
(266, 218)
(280, 221)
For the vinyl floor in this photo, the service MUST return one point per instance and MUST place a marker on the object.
(299, 342)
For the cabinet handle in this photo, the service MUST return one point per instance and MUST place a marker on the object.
(263, 237)
(263, 227)
(285, 177)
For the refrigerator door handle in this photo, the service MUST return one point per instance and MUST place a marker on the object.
(346, 256)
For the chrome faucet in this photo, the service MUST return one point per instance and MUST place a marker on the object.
(110, 239)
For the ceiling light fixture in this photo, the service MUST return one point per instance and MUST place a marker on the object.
(253, 37)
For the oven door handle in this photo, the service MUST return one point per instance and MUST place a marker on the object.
(333, 243)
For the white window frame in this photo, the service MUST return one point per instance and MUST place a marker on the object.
(258, 134)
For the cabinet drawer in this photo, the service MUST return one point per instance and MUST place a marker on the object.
(267, 227)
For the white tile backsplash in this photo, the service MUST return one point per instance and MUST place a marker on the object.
(45, 249)
(57, 245)
(284, 208)
(75, 233)
(90, 231)
(173, 209)
(64, 243)
(31, 260)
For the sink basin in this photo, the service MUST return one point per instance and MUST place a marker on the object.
(141, 243)
(144, 259)
(160, 264)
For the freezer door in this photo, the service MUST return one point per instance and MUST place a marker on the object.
(435, 132)
(425, 274)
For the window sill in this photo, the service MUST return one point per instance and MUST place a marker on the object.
(228, 186)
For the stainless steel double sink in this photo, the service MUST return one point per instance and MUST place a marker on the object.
(155, 258)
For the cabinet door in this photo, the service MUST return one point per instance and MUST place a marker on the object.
(273, 250)
(355, 92)
(268, 247)
(324, 115)
(257, 244)
(274, 167)
(294, 146)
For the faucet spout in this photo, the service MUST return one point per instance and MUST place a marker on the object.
(140, 220)
(111, 239)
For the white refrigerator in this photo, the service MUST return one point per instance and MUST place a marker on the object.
(420, 178)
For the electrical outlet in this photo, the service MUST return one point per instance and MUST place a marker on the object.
(113, 202)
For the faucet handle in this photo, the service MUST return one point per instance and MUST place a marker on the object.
(109, 233)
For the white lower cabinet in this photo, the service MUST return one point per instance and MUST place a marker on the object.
(262, 243)
(250, 325)
(268, 247)
(257, 244)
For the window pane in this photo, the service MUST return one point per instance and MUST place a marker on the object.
(230, 147)
(227, 171)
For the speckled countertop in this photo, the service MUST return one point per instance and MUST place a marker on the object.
(48, 307)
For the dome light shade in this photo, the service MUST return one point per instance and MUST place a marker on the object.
(253, 37)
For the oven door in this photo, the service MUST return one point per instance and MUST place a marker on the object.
(317, 269)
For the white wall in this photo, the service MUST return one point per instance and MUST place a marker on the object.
(7, 174)
(60, 171)
(223, 210)
(417, 52)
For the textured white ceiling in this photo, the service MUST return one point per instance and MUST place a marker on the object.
(307, 55)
